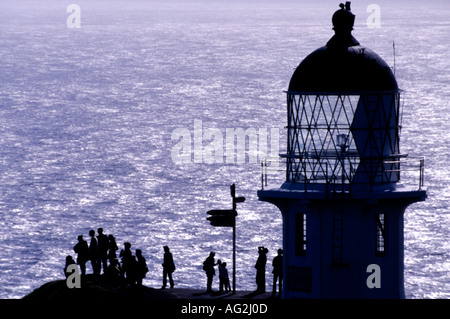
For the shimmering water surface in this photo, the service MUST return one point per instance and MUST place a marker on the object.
(87, 117)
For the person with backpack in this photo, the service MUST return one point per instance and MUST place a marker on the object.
(141, 267)
(208, 267)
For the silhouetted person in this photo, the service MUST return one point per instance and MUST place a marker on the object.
(82, 250)
(261, 270)
(113, 272)
(141, 267)
(112, 248)
(219, 264)
(168, 268)
(102, 240)
(277, 272)
(223, 277)
(208, 267)
(131, 271)
(93, 252)
(127, 261)
(227, 281)
(69, 261)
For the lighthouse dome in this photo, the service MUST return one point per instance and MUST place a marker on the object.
(343, 65)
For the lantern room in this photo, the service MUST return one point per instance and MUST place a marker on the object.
(343, 108)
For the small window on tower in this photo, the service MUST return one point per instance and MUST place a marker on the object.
(300, 231)
(381, 234)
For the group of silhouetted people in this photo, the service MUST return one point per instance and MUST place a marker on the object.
(101, 248)
(277, 264)
(131, 269)
(102, 253)
(208, 267)
(224, 282)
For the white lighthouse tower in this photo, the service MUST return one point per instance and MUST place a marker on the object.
(347, 183)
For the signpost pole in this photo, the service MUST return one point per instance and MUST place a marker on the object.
(234, 259)
(233, 196)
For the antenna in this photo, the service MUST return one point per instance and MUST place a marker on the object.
(393, 48)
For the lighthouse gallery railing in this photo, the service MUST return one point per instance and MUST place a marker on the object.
(410, 171)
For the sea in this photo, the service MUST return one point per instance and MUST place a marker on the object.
(93, 95)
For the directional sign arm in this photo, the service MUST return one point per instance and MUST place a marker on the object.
(225, 217)
(222, 212)
(222, 217)
(222, 221)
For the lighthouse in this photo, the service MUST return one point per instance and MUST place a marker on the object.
(347, 184)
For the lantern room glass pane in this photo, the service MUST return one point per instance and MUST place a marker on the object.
(321, 147)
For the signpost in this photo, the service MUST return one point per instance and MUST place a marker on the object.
(227, 218)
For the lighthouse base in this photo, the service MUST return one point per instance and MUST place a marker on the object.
(341, 245)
